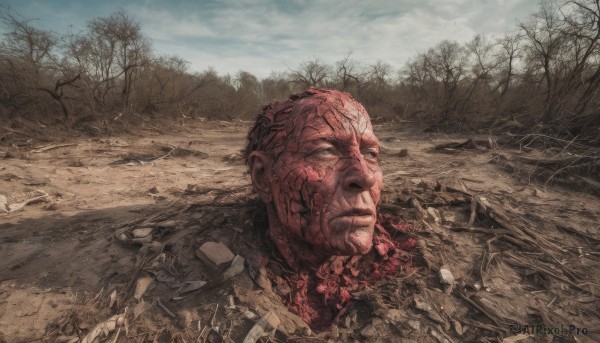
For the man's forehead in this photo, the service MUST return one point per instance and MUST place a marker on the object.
(330, 120)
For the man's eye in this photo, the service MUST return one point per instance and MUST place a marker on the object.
(325, 152)
(370, 155)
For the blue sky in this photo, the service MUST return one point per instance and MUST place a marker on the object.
(261, 36)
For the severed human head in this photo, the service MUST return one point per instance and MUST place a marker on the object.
(313, 160)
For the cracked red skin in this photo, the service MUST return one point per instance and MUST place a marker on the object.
(314, 162)
(322, 180)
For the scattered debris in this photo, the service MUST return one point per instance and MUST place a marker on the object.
(104, 329)
(446, 276)
(216, 252)
(37, 196)
(266, 326)
(237, 266)
(51, 147)
(142, 286)
(190, 286)
(469, 144)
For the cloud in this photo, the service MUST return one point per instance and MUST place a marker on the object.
(264, 35)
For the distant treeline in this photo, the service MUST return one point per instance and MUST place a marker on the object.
(544, 75)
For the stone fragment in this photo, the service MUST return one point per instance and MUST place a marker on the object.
(446, 276)
(435, 214)
(421, 305)
(230, 302)
(142, 232)
(403, 153)
(457, 327)
(249, 314)
(236, 267)
(216, 252)
(154, 190)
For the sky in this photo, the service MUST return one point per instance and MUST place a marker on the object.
(261, 36)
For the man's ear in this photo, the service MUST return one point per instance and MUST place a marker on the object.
(260, 170)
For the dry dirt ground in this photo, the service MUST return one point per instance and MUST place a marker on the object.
(73, 268)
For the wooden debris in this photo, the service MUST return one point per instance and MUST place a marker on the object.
(51, 147)
(266, 326)
(142, 286)
(104, 328)
(164, 308)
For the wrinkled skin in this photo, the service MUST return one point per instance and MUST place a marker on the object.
(321, 181)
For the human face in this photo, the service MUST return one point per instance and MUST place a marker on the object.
(327, 182)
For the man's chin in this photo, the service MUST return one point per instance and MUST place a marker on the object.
(358, 241)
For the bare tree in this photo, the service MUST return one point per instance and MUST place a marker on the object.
(544, 40)
(275, 87)
(31, 62)
(348, 76)
(112, 52)
(311, 73)
(447, 64)
(483, 64)
(583, 30)
(507, 55)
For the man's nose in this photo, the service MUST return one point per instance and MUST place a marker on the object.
(358, 176)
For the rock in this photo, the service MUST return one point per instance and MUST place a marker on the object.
(421, 305)
(415, 324)
(230, 302)
(249, 314)
(457, 327)
(142, 232)
(403, 153)
(143, 240)
(394, 315)
(237, 266)
(435, 214)
(446, 276)
(169, 224)
(216, 252)
(154, 190)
